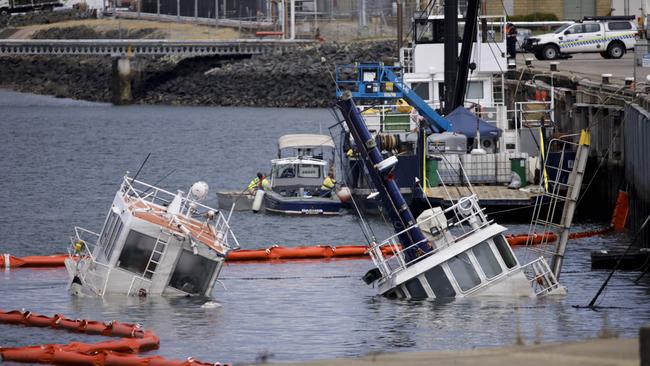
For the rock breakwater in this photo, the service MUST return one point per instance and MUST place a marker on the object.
(301, 77)
(44, 17)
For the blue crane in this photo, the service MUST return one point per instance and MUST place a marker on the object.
(380, 82)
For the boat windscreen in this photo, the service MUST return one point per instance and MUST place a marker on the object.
(192, 273)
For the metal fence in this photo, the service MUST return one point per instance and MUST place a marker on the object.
(336, 20)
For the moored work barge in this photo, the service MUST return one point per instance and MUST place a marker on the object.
(153, 242)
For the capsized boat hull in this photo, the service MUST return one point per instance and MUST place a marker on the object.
(313, 205)
(243, 200)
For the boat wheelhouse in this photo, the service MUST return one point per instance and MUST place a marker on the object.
(295, 188)
(153, 242)
(303, 163)
(469, 256)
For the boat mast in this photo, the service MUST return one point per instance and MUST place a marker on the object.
(469, 36)
(451, 52)
(380, 171)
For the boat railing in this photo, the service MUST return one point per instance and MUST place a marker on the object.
(82, 246)
(406, 59)
(86, 241)
(541, 278)
(391, 118)
(139, 286)
(533, 113)
(190, 208)
(467, 217)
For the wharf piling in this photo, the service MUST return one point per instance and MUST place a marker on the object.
(122, 74)
(644, 345)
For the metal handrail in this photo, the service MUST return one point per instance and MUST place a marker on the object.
(382, 261)
(79, 235)
(188, 206)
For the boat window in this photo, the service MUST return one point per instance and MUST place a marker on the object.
(423, 31)
(506, 253)
(464, 272)
(421, 89)
(136, 252)
(308, 171)
(285, 171)
(433, 31)
(395, 293)
(192, 273)
(110, 233)
(489, 263)
(439, 282)
(474, 90)
(415, 288)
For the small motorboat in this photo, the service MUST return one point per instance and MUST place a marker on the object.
(153, 242)
(236, 200)
(298, 174)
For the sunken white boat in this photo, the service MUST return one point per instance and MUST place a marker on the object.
(449, 253)
(153, 242)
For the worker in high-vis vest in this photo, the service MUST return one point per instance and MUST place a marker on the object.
(259, 182)
(328, 186)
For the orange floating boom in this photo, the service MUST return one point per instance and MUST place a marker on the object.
(57, 260)
(301, 252)
(109, 353)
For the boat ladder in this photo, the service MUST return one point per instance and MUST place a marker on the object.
(542, 279)
(498, 90)
(157, 254)
(559, 193)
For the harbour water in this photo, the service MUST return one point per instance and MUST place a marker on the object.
(61, 162)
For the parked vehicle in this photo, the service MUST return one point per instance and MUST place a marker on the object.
(16, 6)
(611, 36)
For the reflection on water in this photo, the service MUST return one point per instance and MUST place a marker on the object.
(63, 162)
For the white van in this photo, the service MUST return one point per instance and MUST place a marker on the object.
(610, 36)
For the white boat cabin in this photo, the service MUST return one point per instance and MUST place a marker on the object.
(153, 242)
(424, 66)
(310, 145)
(469, 256)
(290, 175)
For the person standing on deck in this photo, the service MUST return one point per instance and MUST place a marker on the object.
(328, 185)
(259, 182)
(511, 40)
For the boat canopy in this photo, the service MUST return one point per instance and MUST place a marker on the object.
(297, 141)
(465, 122)
(296, 160)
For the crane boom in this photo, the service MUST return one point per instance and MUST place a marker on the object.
(376, 81)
